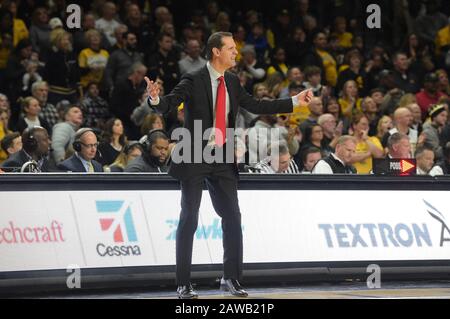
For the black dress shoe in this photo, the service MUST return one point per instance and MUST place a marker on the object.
(233, 286)
(186, 292)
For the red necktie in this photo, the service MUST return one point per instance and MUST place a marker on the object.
(220, 112)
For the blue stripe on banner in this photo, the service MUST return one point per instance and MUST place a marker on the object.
(131, 231)
(108, 206)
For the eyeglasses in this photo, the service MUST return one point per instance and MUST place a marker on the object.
(95, 145)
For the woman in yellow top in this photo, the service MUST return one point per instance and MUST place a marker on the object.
(350, 101)
(11, 30)
(4, 121)
(92, 60)
(279, 65)
(366, 147)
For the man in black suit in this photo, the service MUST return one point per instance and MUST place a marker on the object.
(85, 146)
(34, 153)
(212, 98)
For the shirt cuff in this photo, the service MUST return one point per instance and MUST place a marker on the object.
(152, 102)
(295, 101)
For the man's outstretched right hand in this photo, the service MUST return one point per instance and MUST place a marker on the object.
(152, 89)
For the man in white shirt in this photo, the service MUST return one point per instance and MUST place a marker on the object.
(425, 162)
(107, 24)
(340, 161)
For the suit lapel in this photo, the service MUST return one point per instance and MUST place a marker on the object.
(207, 82)
(233, 102)
(79, 164)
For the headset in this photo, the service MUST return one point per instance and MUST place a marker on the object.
(151, 138)
(29, 141)
(77, 142)
(130, 145)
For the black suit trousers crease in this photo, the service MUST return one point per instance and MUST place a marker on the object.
(221, 182)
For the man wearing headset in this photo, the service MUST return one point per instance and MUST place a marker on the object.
(154, 158)
(35, 150)
(85, 146)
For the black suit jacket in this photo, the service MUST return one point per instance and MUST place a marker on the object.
(195, 91)
(73, 164)
(15, 161)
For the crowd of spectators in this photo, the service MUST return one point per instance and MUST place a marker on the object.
(377, 92)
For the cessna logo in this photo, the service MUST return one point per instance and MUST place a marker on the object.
(436, 214)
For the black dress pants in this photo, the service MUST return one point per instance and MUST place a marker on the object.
(221, 182)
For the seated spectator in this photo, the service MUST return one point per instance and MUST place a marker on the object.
(350, 101)
(331, 130)
(370, 110)
(444, 85)
(80, 41)
(11, 143)
(31, 75)
(154, 121)
(332, 107)
(384, 125)
(403, 121)
(64, 132)
(258, 39)
(279, 161)
(31, 116)
(425, 162)
(33, 157)
(279, 65)
(131, 151)
(126, 97)
(4, 123)
(39, 90)
(313, 137)
(16, 69)
(399, 146)
(85, 146)
(253, 70)
(92, 61)
(403, 77)
(295, 78)
(340, 31)
(352, 70)
(40, 32)
(192, 61)
(95, 108)
(107, 23)
(309, 159)
(417, 117)
(432, 131)
(114, 141)
(445, 162)
(61, 69)
(338, 162)
(429, 95)
(315, 107)
(155, 155)
(313, 80)
(367, 147)
(164, 62)
(120, 61)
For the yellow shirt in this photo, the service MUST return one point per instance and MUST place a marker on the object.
(239, 46)
(344, 39)
(346, 107)
(96, 62)
(3, 154)
(20, 32)
(365, 166)
(329, 64)
(442, 38)
(284, 68)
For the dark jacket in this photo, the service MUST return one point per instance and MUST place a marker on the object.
(15, 162)
(195, 91)
(73, 164)
(145, 164)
